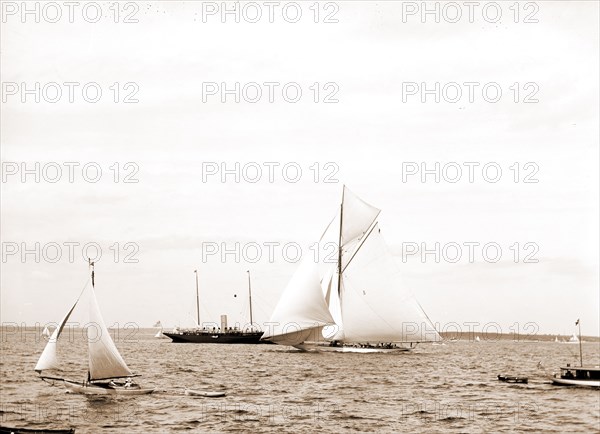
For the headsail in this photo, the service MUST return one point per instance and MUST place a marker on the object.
(357, 218)
(104, 358)
(301, 309)
(49, 358)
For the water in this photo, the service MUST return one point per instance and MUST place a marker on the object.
(446, 388)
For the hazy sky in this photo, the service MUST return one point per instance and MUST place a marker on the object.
(372, 57)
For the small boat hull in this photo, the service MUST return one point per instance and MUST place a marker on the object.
(9, 430)
(92, 389)
(513, 379)
(574, 382)
(191, 392)
(351, 349)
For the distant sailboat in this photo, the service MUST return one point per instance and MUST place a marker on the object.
(477, 339)
(573, 339)
(556, 339)
(106, 365)
(46, 332)
(356, 303)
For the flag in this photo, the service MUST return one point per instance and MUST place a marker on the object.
(577, 322)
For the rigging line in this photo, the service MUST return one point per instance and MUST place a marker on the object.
(327, 228)
(362, 242)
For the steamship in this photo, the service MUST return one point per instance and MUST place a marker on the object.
(214, 335)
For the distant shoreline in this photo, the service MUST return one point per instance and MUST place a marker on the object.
(8, 329)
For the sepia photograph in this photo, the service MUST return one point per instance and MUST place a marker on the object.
(300, 216)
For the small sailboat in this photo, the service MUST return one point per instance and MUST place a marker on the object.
(354, 303)
(159, 333)
(582, 376)
(46, 332)
(477, 339)
(108, 374)
(556, 339)
(573, 339)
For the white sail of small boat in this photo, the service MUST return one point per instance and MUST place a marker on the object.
(105, 363)
(573, 339)
(159, 334)
(477, 339)
(556, 339)
(46, 332)
(357, 303)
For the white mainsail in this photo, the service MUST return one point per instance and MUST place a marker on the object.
(46, 332)
(375, 305)
(104, 358)
(365, 296)
(301, 309)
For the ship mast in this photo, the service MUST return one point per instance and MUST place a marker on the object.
(578, 323)
(250, 296)
(91, 264)
(339, 282)
(197, 299)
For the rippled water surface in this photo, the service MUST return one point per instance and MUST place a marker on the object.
(444, 388)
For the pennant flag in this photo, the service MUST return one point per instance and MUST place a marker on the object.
(577, 322)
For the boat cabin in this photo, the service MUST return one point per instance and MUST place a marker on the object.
(580, 373)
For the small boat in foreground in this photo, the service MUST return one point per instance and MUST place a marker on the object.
(9, 430)
(191, 392)
(512, 379)
(577, 376)
(108, 374)
(582, 376)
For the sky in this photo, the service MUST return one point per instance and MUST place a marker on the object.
(375, 134)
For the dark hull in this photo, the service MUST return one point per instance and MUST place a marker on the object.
(7, 430)
(216, 338)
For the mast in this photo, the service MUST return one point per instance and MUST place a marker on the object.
(339, 282)
(197, 299)
(92, 267)
(250, 296)
(578, 323)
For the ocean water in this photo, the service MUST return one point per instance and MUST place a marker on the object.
(435, 389)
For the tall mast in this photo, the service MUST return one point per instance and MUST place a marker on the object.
(339, 282)
(250, 296)
(92, 267)
(197, 299)
(580, 351)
